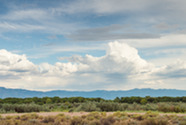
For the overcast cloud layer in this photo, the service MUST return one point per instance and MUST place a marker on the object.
(95, 44)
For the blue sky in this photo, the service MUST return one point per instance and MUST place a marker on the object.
(90, 45)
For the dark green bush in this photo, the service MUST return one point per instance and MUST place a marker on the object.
(88, 107)
(20, 108)
(171, 107)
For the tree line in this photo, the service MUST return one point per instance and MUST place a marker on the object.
(130, 100)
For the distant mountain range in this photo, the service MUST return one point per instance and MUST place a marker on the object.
(22, 93)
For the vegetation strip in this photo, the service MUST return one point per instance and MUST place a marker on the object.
(94, 118)
(80, 104)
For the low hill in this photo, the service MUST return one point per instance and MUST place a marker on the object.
(22, 93)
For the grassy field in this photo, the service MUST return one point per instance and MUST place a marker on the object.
(93, 118)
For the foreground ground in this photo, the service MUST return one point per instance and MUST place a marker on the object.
(85, 113)
(93, 118)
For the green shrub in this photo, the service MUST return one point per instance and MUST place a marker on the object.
(119, 114)
(20, 108)
(88, 107)
(109, 106)
(171, 107)
(143, 101)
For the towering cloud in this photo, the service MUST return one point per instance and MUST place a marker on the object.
(121, 64)
(119, 58)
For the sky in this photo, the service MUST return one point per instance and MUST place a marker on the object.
(87, 45)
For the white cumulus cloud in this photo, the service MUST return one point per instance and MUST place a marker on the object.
(119, 58)
(14, 62)
(120, 68)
